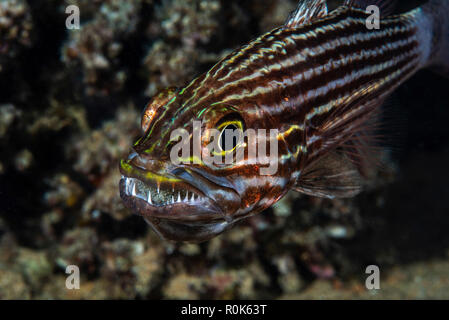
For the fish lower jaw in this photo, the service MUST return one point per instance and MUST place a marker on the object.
(159, 196)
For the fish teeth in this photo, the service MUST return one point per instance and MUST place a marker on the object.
(131, 187)
(127, 184)
(149, 198)
(133, 191)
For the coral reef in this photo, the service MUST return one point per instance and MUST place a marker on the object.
(179, 30)
(95, 49)
(16, 29)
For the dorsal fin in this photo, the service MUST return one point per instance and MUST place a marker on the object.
(386, 7)
(306, 12)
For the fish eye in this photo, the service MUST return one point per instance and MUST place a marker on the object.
(228, 140)
(231, 133)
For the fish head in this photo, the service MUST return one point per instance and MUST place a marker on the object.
(194, 172)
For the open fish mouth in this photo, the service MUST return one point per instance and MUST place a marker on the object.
(157, 197)
(181, 204)
(174, 213)
(167, 200)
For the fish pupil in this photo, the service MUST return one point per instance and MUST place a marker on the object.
(228, 141)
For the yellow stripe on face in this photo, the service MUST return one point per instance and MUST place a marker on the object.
(148, 175)
(292, 128)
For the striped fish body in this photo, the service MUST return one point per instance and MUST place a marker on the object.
(317, 75)
(317, 80)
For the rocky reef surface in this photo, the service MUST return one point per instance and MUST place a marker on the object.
(70, 103)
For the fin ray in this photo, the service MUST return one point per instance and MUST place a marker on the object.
(306, 12)
(333, 176)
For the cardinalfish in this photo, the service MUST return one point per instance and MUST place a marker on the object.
(319, 79)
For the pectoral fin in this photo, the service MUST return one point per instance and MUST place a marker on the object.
(333, 176)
